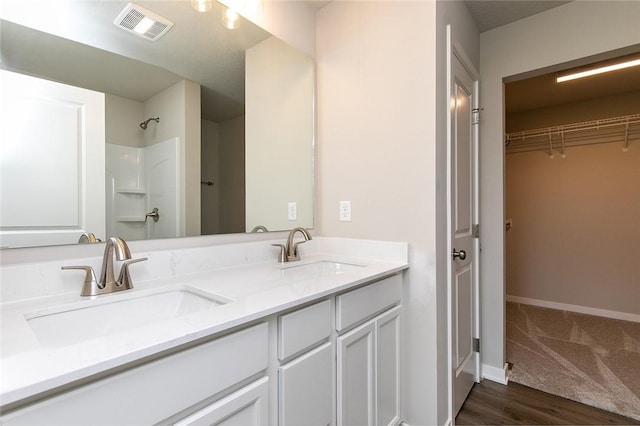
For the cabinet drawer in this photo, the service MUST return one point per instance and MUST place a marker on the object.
(358, 305)
(157, 390)
(303, 328)
(247, 407)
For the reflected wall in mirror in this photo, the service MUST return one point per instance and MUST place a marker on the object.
(231, 151)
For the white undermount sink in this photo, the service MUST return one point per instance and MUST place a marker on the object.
(321, 268)
(110, 314)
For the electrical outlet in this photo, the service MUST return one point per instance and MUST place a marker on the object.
(292, 211)
(345, 211)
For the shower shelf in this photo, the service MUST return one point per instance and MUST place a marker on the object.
(140, 191)
(130, 218)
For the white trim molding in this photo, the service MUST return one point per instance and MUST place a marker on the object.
(499, 375)
(403, 423)
(625, 316)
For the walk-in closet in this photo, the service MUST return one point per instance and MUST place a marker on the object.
(572, 185)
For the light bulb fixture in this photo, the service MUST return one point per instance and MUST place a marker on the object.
(599, 70)
(230, 18)
(144, 25)
(202, 5)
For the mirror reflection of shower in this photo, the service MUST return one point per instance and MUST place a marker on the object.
(145, 123)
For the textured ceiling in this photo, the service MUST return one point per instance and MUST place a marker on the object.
(542, 91)
(197, 48)
(490, 14)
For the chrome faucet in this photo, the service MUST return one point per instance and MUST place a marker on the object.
(108, 283)
(289, 252)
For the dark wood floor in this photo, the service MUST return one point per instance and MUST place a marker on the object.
(490, 403)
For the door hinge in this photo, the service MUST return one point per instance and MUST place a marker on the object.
(476, 344)
(475, 230)
(476, 115)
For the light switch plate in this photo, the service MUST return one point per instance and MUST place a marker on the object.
(292, 211)
(345, 211)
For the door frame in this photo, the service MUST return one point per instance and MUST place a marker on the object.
(453, 48)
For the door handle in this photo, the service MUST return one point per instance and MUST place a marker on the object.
(459, 254)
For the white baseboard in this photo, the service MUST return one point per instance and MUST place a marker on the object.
(403, 423)
(448, 423)
(499, 375)
(625, 316)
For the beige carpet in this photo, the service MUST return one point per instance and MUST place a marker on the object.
(584, 358)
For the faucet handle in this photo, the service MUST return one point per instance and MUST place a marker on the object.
(90, 287)
(282, 257)
(124, 280)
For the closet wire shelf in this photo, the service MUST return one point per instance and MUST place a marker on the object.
(625, 129)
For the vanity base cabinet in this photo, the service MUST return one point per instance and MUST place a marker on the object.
(247, 407)
(335, 361)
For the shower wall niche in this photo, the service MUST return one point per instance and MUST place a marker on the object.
(139, 180)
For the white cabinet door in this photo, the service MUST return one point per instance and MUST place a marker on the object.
(306, 389)
(368, 368)
(247, 407)
(356, 376)
(388, 367)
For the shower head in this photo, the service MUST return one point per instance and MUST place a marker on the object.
(145, 123)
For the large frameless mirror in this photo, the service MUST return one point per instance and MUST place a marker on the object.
(204, 130)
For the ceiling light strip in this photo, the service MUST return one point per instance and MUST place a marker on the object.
(595, 71)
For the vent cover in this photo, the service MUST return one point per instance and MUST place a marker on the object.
(142, 22)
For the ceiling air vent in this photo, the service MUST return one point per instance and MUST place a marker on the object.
(143, 22)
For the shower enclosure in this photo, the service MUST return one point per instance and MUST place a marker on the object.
(139, 180)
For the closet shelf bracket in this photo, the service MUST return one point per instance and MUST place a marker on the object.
(626, 137)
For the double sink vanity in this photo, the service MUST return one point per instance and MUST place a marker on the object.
(223, 334)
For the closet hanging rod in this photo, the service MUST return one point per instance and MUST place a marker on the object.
(576, 127)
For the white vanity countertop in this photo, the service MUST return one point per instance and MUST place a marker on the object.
(29, 367)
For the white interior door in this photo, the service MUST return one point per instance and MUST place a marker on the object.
(463, 244)
(52, 180)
